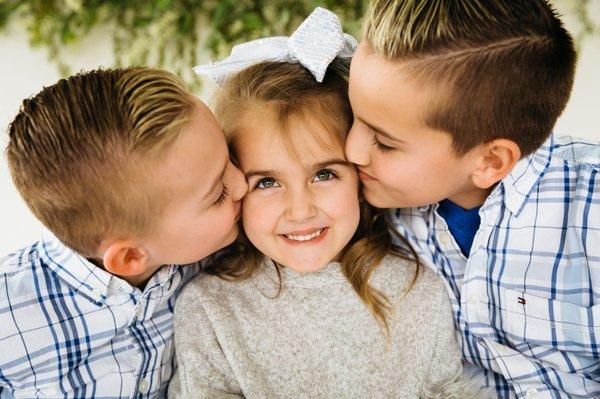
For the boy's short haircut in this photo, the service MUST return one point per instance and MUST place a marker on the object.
(79, 152)
(498, 68)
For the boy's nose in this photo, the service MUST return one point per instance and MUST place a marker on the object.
(357, 147)
(239, 186)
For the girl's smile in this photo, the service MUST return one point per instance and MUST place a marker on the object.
(308, 237)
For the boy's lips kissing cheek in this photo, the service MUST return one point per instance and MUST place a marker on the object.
(364, 176)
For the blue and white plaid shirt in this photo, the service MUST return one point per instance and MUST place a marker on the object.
(69, 329)
(527, 299)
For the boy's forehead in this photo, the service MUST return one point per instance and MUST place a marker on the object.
(366, 54)
(203, 113)
(378, 88)
(196, 158)
(407, 71)
(367, 63)
(388, 98)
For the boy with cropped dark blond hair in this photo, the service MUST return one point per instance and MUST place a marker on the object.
(454, 105)
(131, 175)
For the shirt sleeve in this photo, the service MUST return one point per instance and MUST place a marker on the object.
(4, 394)
(202, 368)
(446, 378)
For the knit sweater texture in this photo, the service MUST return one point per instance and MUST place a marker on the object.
(315, 338)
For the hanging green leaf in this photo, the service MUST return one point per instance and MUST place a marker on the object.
(167, 32)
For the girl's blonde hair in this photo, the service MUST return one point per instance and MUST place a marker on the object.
(291, 91)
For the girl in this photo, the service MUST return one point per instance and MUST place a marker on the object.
(313, 302)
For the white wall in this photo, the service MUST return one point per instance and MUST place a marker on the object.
(24, 71)
(582, 115)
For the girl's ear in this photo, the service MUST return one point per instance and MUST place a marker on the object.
(497, 158)
(124, 258)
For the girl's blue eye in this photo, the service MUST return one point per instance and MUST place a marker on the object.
(382, 147)
(266, 183)
(324, 175)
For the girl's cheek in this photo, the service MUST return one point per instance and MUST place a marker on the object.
(248, 208)
(256, 209)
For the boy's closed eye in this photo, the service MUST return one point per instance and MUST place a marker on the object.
(377, 132)
(223, 196)
(382, 147)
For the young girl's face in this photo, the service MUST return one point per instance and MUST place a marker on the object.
(299, 211)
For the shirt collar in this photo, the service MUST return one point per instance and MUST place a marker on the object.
(523, 177)
(85, 277)
(161, 277)
(427, 208)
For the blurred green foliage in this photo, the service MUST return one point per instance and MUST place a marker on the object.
(171, 33)
(581, 10)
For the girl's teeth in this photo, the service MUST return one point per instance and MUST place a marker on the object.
(305, 237)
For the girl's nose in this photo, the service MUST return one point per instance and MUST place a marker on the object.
(300, 207)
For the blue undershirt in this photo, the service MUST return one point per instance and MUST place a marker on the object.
(463, 223)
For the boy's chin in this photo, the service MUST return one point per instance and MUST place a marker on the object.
(231, 236)
(383, 200)
(227, 240)
(380, 200)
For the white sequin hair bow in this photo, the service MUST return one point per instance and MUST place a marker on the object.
(315, 44)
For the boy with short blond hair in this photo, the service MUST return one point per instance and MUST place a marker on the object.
(131, 175)
(454, 105)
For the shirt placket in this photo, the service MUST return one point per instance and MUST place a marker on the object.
(144, 383)
(474, 299)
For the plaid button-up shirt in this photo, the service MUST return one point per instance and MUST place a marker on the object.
(69, 329)
(527, 299)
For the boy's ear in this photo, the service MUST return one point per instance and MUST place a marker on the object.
(125, 258)
(497, 158)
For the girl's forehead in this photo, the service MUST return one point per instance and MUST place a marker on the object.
(299, 136)
(298, 152)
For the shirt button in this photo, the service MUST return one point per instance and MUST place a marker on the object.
(531, 393)
(144, 385)
(472, 301)
(96, 294)
(445, 240)
(139, 313)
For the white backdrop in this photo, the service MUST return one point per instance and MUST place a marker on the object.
(24, 71)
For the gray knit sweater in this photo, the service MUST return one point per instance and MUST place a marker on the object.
(316, 339)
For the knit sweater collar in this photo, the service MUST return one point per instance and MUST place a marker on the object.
(329, 275)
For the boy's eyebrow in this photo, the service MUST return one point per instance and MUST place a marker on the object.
(217, 180)
(380, 131)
